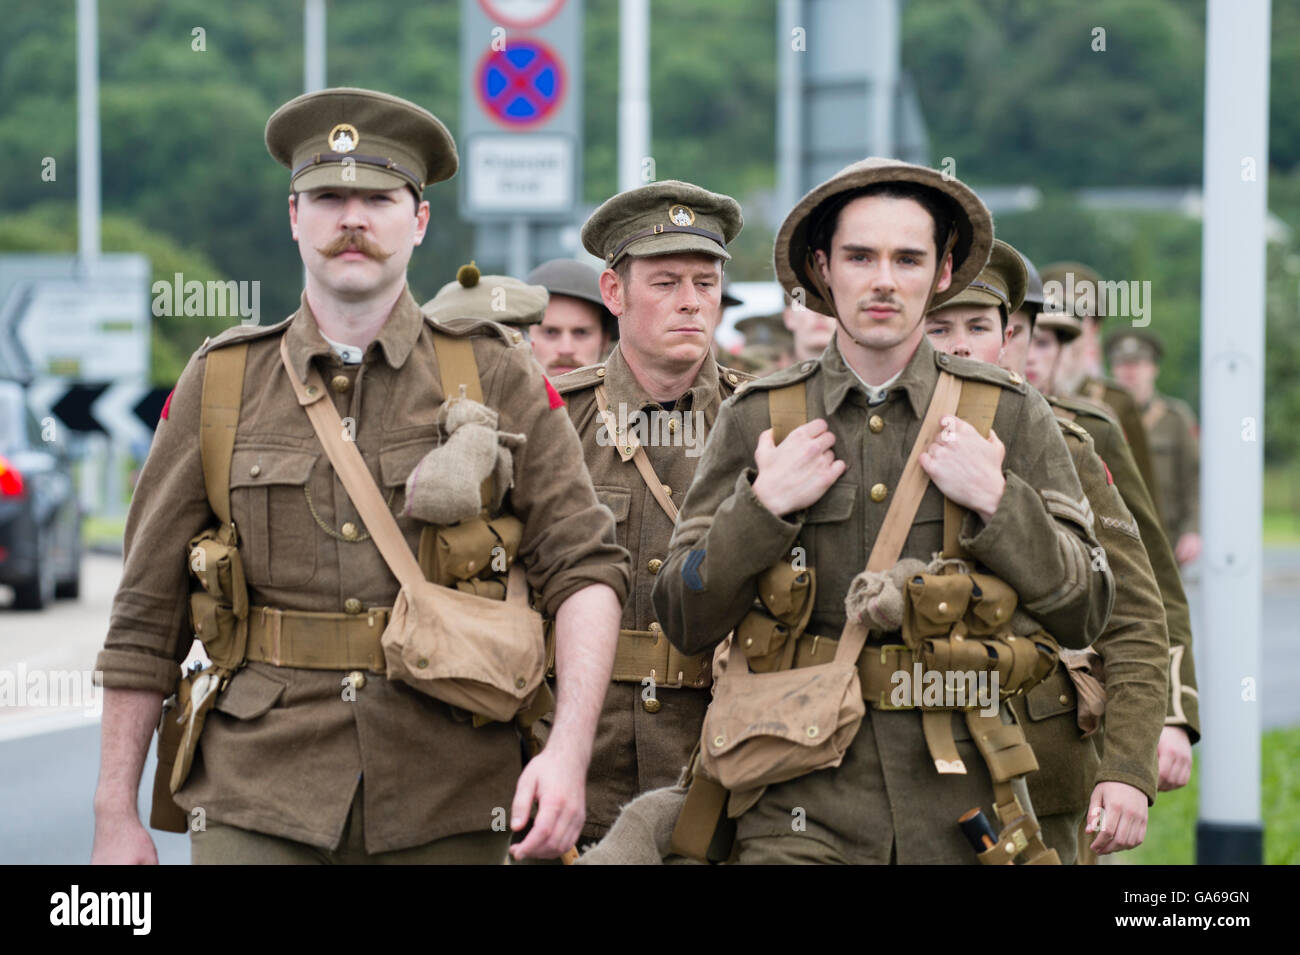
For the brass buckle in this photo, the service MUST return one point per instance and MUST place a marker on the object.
(885, 650)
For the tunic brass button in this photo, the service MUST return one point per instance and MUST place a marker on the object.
(340, 383)
(655, 628)
(876, 424)
(349, 530)
(879, 492)
(600, 372)
(357, 679)
(672, 424)
(731, 377)
(1063, 699)
(652, 705)
(255, 470)
(352, 605)
(654, 565)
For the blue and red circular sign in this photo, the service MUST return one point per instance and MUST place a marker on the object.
(522, 85)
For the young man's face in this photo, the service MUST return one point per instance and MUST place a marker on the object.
(1138, 376)
(668, 307)
(812, 331)
(1015, 346)
(967, 331)
(879, 270)
(356, 242)
(571, 334)
(1040, 361)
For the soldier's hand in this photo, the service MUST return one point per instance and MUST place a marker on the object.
(1118, 814)
(966, 467)
(1174, 751)
(557, 783)
(1188, 548)
(796, 473)
(122, 840)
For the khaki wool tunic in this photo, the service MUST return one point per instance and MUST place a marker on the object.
(283, 751)
(885, 801)
(638, 746)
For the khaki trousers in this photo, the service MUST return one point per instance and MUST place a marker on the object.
(220, 844)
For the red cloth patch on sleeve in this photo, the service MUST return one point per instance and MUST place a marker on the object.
(167, 406)
(1109, 479)
(552, 394)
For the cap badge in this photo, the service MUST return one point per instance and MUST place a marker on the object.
(681, 215)
(343, 138)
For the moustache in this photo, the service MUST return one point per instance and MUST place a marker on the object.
(354, 239)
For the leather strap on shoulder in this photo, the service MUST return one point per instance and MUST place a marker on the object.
(457, 366)
(639, 458)
(977, 407)
(223, 390)
(788, 409)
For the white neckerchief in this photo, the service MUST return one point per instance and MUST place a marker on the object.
(875, 393)
(350, 354)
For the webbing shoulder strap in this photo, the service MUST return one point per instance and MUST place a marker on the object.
(788, 409)
(977, 407)
(223, 391)
(457, 366)
(639, 457)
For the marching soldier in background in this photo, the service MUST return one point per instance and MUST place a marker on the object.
(768, 347)
(1182, 729)
(310, 754)
(812, 331)
(876, 245)
(577, 329)
(1134, 357)
(1134, 648)
(1079, 369)
(643, 416)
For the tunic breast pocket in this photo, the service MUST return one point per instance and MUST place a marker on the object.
(828, 532)
(269, 502)
(619, 501)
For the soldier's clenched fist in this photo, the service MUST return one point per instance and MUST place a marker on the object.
(796, 473)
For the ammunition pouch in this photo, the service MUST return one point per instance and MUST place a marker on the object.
(472, 556)
(767, 635)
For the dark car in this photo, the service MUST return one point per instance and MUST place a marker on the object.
(40, 516)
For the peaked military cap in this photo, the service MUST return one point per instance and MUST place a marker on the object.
(765, 330)
(795, 267)
(362, 139)
(1133, 344)
(1073, 280)
(729, 300)
(1033, 302)
(498, 298)
(663, 218)
(1000, 283)
(1062, 324)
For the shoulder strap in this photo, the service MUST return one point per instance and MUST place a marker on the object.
(639, 458)
(977, 407)
(788, 409)
(912, 485)
(223, 391)
(457, 366)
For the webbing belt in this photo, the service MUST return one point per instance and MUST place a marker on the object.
(647, 653)
(317, 641)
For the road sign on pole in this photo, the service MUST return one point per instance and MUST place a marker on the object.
(521, 111)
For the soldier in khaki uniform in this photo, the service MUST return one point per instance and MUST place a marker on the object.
(1134, 357)
(1079, 370)
(872, 246)
(304, 762)
(1182, 717)
(768, 347)
(1134, 646)
(663, 247)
